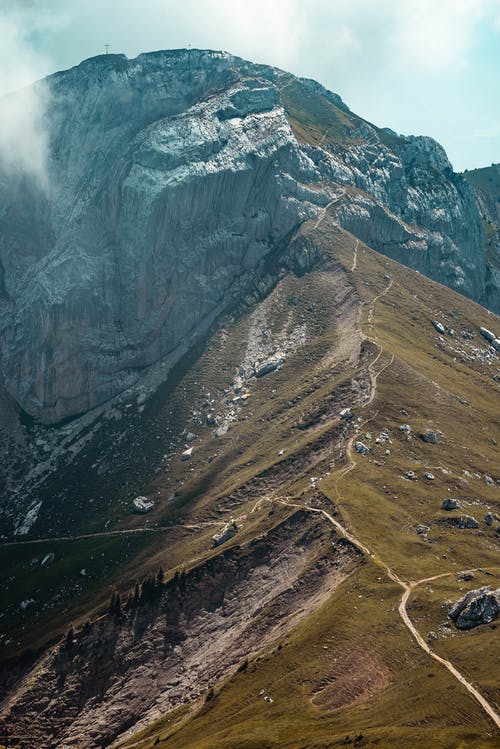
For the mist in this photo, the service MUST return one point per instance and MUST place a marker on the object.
(23, 134)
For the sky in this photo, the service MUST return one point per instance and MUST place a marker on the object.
(428, 67)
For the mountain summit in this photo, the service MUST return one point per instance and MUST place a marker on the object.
(173, 178)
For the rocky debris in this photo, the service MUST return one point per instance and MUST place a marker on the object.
(269, 345)
(439, 327)
(223, 428)
(361, 448)
(142, 505)
(429, 436)
(466, 576)
(422, 530)
(346, 414)
(228, 531)
(488, 518)
(463, 522)
(178, 637)
(405, 428)
(27, 602)
(190, 437)
(491, 338)
(480, 606)
(383, 437)
(450, 504)
(429, 476)
(487, 334)
(187, 454)
(268, 367)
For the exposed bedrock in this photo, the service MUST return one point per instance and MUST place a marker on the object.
(173, 178)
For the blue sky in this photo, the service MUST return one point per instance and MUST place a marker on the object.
(418, 66)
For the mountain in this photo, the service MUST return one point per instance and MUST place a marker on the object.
(230, 303)
(486, 183)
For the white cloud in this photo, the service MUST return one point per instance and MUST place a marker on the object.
(23, 140)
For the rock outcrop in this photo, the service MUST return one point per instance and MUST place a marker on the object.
(480, 606)
(173, 179)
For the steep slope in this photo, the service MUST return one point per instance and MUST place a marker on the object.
(174, 184)
(355, 332)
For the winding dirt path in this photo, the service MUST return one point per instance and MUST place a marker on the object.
(323, 212)
(104, 534)
(408, 587)
(355, 256)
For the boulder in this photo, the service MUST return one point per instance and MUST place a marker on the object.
(439, 327)
(464, 522)
(422, 530)
(187, 454)
(406, 428)
(480, 606)
(487, 334)
(361, 448)
(228, 531)
(429, 436)
(450, 504)
(488, 518)
(410, 475)
(142, 505)
(429, 476)
(346, 414)
(466, 576)
(269, 366)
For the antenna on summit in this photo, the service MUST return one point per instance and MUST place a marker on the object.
(106, 47)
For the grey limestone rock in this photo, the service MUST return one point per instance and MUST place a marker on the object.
(422, 530)
(142, 505)
(450, 504)
(227, 532)
(464, 522)
(173, 178)
(480, 606)
(430, 437)
(361, 448)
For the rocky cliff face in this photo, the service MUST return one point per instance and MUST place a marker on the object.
(486, 184)
(173, 179)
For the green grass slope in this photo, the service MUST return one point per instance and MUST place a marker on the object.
(352, 674)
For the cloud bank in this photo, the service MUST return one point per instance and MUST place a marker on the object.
(23, 137)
